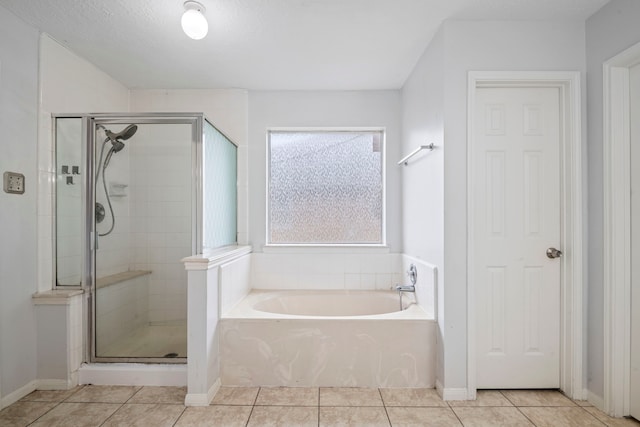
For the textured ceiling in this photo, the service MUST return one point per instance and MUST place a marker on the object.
(269, 44)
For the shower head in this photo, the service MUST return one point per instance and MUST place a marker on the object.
(123, 135)
(116, 145)
(116, 139)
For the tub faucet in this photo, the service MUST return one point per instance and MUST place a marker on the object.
(402, 289)
(413, 276)
(405, 288)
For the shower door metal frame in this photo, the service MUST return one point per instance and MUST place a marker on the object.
(196, 120)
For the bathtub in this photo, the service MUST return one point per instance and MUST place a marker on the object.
(327, 339)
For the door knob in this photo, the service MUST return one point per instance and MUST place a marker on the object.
(553, 253)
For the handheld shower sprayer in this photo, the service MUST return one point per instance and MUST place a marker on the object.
(117, 145)
(123, 135)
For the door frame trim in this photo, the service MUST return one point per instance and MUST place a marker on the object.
(572, 208)
(617, 230)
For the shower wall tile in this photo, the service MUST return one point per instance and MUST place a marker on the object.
(178, 239)
(114, 251)
(161, 226)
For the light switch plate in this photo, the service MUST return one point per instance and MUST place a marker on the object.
(13, 183)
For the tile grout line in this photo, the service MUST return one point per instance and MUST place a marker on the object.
(179, 416)
(319, 406)
(584, 408)
(525, 415)
(255, 400)
(455, 414)
(52, 408)
(384, 405)
(56, 405)
(120, 407)
(517, 408)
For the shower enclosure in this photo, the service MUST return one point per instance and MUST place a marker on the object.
(136, 193)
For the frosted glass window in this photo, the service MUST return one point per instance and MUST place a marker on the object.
(325, 187)
(219, 189)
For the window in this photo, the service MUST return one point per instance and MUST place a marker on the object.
(325, 188)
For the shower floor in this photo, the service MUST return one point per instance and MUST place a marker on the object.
(152, 340)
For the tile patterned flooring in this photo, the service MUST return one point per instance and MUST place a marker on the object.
(292, 407)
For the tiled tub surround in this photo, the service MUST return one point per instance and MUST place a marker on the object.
(391, 349)
(318, 269)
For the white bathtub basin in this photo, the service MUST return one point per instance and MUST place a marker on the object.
(334, 304)
(331, 304)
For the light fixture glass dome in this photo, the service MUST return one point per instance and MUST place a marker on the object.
(194, 24)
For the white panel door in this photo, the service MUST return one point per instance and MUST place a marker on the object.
(634, 398)
(516, 218)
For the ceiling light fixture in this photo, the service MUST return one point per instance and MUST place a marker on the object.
(194, 24)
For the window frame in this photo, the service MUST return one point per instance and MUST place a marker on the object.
(383, 160)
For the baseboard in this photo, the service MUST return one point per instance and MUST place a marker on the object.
(18, 394)
(54, 385)
(196, 399)
(595, 400)
(202, 399)
(213, 390)
(451, 393)
(584, 395)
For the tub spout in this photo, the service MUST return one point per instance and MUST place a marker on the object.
(402, 289)
(405, 288)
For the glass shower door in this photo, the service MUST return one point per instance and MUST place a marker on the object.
(143, 228)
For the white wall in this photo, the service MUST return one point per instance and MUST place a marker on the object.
(68, 84)
(322, 109)
(18, 277)
(611, 30)
(423, 178)
(470, 45)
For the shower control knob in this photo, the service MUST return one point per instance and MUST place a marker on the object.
(100, 213)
